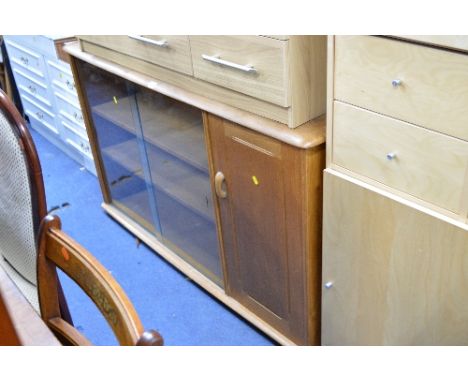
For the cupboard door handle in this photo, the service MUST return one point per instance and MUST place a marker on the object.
(219, 180)
(218, 60)
(160, 43)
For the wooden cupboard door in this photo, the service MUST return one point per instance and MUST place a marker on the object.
(398, 274)
(262, 223)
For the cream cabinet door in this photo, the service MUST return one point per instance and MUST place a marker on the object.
(393, 274)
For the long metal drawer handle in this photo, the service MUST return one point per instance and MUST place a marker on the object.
(219, 180)
(160, 43)
(218, 60)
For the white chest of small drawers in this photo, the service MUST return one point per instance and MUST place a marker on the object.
(395, 240)
(47, 90)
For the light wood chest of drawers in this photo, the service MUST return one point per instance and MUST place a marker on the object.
(279, 77)
(396, 192)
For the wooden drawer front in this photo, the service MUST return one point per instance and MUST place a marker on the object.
(433, 91)
(74, 138)
(427, 165)
(62, 78)
(70, 110)
(269, 80)
(39, 113)
(174, 54)
(455, 42)
(30, 85)
(24, 58)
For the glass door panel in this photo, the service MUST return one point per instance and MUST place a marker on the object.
(178, 163)
(116, 122)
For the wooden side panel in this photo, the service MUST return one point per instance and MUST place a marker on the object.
(399, 273)
(264, 223)
(464, 199)
(313, 238)
(330, 96)
(90, 129)
(308, 77)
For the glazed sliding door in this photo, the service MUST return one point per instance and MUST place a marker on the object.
(178, 164)
(112, 107)
(155, 164)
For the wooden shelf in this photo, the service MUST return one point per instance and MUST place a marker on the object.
(192, 238)
(170, 125)
(132, 205)
(188, 187)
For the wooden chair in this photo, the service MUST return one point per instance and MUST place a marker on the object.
(56, 249)
(32, 245)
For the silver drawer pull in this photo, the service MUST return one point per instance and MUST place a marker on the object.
(85, 147)
(70, 85)
(25, 60)
(78, 117)
(391, 156)
(160, 43)
(328, 284)
(218, 60)
(32, 88)
(39, 115)
(396, 83)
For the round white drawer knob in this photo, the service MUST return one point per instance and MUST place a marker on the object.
(328, 285)
(396, 83)
(391, 156)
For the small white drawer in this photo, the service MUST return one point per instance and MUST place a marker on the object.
(69, 109)
(61, 77)
(32, 86)
(74, 138)
(39, 43)
(39, 113)
(25, 58)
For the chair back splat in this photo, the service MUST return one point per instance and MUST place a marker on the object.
(57, 250)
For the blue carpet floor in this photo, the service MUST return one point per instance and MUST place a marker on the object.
(163, 297)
